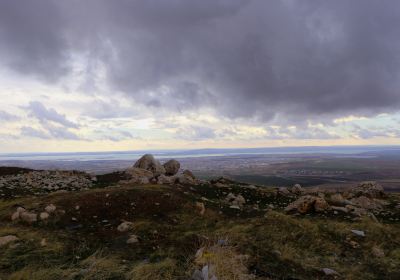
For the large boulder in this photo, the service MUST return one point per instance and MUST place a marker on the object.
(138, 175)
(171, 167)
(308, 203)
(148, 162)
(368, 189)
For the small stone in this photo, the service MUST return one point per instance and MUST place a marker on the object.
(378, 252)
(201, 208)
(28, 217)
(132, 239)
(125, 226)
(358, 232)
(329, 271)
(7, 239)
(44, 216)
(50, 208)
(43, 242)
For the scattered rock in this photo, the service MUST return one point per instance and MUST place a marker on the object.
(50, 208)
(358, 232)
(340, 209)
(188, 173)
(378, 252)
(7, 239)
(44, 215)
(296, 189)
(283, 191)
(235, 200)
(369, 189)
(306, 204)
(329, 272)
(171, 167)
(43, 242)
(166, 180)
(201, 208)
(366, 203)
(320, 205)
(186, 179)
(125, 226)
(132, 239)
(16, 214)
(28, 217)
(148, 162)
(337, 199)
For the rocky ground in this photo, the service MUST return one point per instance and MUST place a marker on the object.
(152, 221)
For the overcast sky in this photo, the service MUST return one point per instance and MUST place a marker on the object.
(90, 75)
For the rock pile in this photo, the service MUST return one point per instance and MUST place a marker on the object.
(363, 199)
(40, 182)
(149, 170)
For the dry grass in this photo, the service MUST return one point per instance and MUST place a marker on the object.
(166, 269)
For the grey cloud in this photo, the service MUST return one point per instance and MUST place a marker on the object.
(5, 116)
(372, 132)
(259, 59)
(43, 114)
(33, 132)
(196, 133)
(48, 131)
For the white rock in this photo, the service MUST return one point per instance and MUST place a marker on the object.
(28, 217)
(132, 239)
(44, 216)
(358, 232)
(329, 271)
(50, 208)
(125, 226)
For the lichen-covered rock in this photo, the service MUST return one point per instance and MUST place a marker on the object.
(171, 167)
(148, 162)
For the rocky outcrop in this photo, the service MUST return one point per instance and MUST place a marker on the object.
(42, 182)
(368, 189)
(148, 162)
(306, 204)
(171, 167)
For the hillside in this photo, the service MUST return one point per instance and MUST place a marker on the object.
(153, 222)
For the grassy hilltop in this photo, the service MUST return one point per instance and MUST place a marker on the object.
(177, 229)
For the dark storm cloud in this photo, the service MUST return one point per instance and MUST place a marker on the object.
(298, 59)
